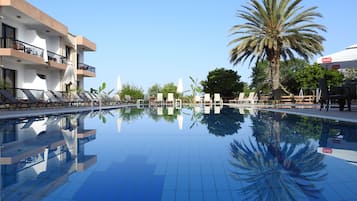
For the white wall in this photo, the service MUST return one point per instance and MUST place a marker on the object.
(53, 44)
(26, 77)
(81, 56)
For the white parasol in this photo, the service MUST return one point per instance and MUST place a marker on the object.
(69, 74)
(179, 86)
(119, 85)
(301, 93)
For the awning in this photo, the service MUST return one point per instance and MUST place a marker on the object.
(346, 58)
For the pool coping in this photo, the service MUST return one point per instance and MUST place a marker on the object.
(310, 110)
(33, 112)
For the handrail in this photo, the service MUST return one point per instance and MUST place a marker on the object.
(21, 46)
(52, 56)
(83, 66)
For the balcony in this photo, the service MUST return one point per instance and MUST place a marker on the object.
(21, 51)
(85, 70)
(57, 61)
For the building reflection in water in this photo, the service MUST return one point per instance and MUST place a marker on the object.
(339, 141)
(39, 154)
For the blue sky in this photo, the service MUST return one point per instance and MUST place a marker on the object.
(160, 41)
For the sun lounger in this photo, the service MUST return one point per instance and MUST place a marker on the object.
(75, 98)
(170, 99)
(88, 96)
(207, 99)
(217, 100)
(60, 97)
(32, 98)
(10, 99)
(159, 99)
(251, 98)
(84, 97)
(198, 99)
(240, 98)
(53, 99)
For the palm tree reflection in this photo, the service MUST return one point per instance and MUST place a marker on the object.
(275, 167)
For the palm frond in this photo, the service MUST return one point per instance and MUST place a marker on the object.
(273, 27)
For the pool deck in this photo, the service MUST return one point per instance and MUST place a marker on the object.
(309, 110)
(333, 113)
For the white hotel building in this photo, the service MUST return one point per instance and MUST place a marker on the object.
(36, 50)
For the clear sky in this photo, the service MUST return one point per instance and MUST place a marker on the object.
(160, 41)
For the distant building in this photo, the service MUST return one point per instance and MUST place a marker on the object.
(36, 50)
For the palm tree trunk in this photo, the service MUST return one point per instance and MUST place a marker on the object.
(275, 77)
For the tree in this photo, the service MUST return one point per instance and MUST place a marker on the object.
(133, 91)
(309, 76)
(275, 29)
(169, 88)
(260, 78)
(288, 74)
(153, 90)
(225, 82)
(350, 73)
(333, 77)
(195, 87)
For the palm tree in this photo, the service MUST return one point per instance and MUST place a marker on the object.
(275, 29)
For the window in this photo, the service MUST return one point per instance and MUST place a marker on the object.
(7, 78)
(9, 34)
(68, 53)
(77, 60)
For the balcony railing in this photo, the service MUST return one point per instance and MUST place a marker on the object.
(83, 66)
(21, 46)
(56, 57)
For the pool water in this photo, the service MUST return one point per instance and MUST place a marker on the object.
(222, 154)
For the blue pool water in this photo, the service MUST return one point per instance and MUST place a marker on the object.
(222, 154)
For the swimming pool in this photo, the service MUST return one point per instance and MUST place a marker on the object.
(171, 154)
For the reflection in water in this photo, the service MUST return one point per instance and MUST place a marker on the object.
(228, 122)
(220, 121)
(38, 154)
(275, 158)
(339, 141)
(277, 165)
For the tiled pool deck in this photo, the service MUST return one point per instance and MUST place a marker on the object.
(333, 114)
(310, 110)
(8, 114)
